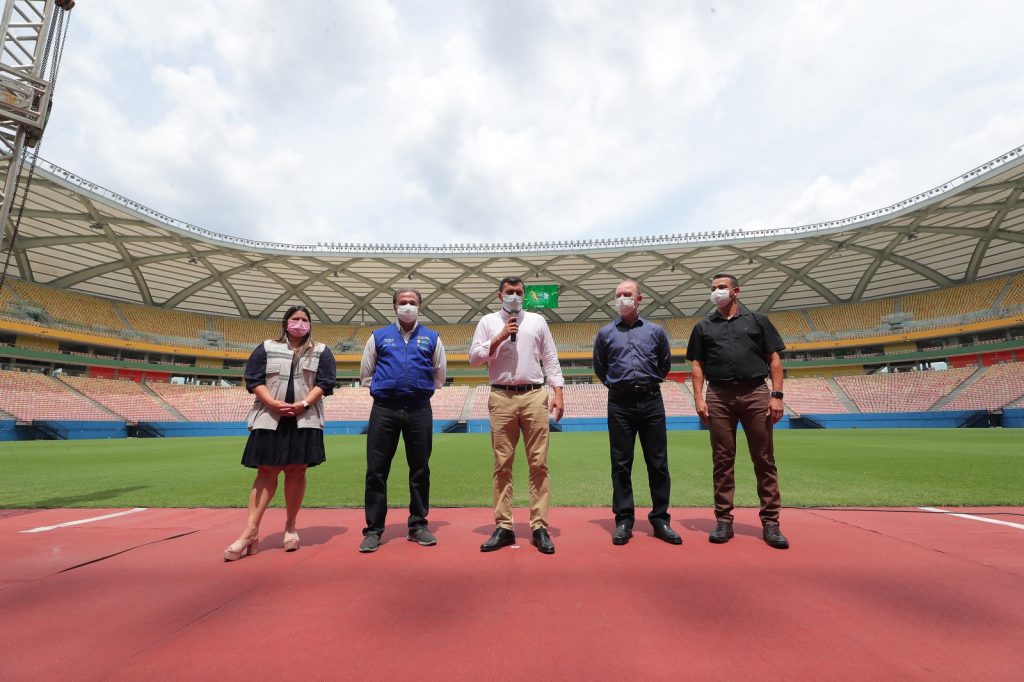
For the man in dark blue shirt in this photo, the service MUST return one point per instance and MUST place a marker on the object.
(631, 358)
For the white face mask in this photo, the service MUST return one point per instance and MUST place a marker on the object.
(512, 303)
(408, 313)
(720, 297)
(625, 305)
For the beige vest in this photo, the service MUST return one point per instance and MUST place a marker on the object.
(279, 370)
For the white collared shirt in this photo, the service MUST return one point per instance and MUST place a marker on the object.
(527, 361)
(368, 363)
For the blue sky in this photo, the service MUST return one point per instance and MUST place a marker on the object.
(436, 123)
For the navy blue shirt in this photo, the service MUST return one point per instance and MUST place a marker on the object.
(632, 354)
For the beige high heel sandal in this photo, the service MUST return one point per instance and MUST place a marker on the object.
(291, 544)
(234, 552)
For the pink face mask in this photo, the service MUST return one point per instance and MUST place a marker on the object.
(298, 328)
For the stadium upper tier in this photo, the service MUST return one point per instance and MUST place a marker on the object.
(993, 298)
(75, 236)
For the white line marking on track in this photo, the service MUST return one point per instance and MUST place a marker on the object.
(43, 529)
(972, 517)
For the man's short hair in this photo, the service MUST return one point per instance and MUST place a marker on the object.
(732, 279)
(419, 296)
(513, 280)
(634, 283)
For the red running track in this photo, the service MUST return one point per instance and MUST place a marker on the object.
(868, 594)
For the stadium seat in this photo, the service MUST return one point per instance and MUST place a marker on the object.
(851, 316)
(447, 402)
(169, 324)
(1015, 295)
(246, 333)
(811, 395)
(455, 337)
(30, 395)
(206, 403)
(348, 404)
(902, 391)
(126, 398)
(999, 386)
(790, 323)
(574, 336)
(954, 301)
(70, 308)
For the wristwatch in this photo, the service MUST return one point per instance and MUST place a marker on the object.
(305, 405)
(776, 394)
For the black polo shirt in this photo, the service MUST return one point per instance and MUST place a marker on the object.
(736, 349)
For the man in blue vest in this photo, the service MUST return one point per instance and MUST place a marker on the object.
(403, 364)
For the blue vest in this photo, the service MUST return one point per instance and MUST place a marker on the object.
(404, 370)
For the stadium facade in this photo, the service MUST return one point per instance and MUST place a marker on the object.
(103, 286)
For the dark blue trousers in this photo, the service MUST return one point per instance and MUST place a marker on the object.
(630, 416)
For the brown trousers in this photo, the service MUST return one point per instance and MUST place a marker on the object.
(747, 405)
(512, 412)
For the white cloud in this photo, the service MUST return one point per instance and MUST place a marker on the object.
(354, 121)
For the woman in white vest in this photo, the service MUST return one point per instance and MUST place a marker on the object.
(289, 377)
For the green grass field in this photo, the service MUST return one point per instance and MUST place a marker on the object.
(896, 467)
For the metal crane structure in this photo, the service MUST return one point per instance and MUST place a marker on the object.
(32, 36)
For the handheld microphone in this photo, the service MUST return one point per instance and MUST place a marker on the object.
(512, 338)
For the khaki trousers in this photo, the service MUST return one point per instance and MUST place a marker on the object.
(512, 412)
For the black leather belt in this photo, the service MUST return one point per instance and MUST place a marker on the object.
(745, 383)
(636, 389)
(518, 388)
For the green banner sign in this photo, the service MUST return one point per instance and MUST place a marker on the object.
(541, 296)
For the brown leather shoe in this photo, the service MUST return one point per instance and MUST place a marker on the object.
(774, 537)
(721, 534)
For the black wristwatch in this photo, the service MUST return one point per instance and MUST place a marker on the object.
(776, 394)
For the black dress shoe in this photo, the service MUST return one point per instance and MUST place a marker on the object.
(721, 534)
(622, 534)
(501, 537)
(542, 541)
(663, 531)
(774, 537)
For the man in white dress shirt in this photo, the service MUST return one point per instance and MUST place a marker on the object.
(520, 354)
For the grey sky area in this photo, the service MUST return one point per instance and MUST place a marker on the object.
(434, 123)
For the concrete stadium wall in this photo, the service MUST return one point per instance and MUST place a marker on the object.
(185, 429)
(892, 420)
(9, 430)
(77, 430)
(1013, 418)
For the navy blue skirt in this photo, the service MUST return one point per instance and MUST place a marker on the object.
(288, 444)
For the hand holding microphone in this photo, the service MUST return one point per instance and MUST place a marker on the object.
(512, 326)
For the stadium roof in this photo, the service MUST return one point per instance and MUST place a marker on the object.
(79, 236)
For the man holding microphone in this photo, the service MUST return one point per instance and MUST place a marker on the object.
(520, 355)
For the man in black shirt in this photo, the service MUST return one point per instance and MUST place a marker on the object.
(734, 349)
(632, 357)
